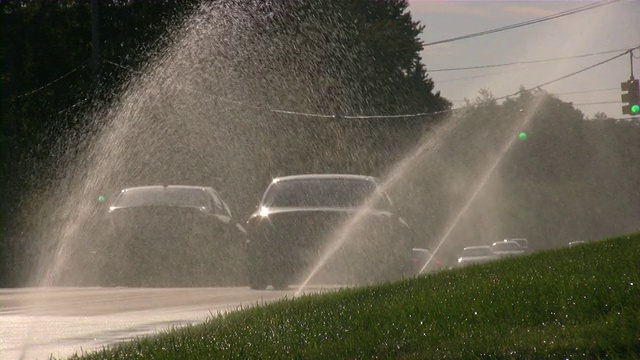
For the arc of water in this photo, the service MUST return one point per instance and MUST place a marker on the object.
(481, 184)
(337, 239)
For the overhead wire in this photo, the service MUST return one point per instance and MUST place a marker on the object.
(586, 91)
(319, 115)
(559, 93)
(526, 62)
(597, 103)
(571, 74)
(474, 77)
(509, 27)
(31, 92)
(513, 63)
(122, 67)
(525, 23)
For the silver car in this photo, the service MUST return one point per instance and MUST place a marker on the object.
(476, 254)
(523, 242)
(507, 248)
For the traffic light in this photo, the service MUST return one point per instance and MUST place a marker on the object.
(631, 98)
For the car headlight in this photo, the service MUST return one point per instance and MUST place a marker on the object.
(264, 211)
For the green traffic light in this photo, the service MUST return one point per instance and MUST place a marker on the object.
(523, 136)
(100, 198)
(635, 109)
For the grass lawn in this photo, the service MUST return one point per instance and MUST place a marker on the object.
(577, 302)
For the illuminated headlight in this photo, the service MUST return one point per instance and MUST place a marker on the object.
(264, 211)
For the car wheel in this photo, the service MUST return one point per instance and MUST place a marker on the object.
(257, 283)
(281, 284)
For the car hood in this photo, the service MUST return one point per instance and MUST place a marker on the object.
(476, 258)
(337, 210)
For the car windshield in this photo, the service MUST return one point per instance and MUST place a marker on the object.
(318, 192)
(521, 242)
(472, 252)
(188, 197)
(506, 246)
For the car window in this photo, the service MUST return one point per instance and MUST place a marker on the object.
(318, 192)
(383, 201)
(476, 252)
(162, 196)
(220, 206)
(506, 246)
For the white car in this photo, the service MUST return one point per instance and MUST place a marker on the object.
(507, 248)
(475, 255)
(523, 242)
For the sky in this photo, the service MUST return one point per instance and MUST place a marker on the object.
(612, 28)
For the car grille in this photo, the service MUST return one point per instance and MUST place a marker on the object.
(158, 223)
(297, 240)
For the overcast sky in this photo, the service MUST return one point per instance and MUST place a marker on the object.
(615, 26)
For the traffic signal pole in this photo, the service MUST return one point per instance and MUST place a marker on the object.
(95, 50)
(631, 93)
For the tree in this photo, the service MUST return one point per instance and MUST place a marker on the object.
(361, 56)
(47, 84)
(600, 116)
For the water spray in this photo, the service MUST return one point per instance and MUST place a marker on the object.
(433, 143)
(481, 185)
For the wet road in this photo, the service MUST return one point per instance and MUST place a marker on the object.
(37, 323)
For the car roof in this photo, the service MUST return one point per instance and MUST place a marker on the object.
(477, 247)
(325, 176)
(505, 242)
(154, 187)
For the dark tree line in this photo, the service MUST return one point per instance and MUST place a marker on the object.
(48, 78)
(570, 179)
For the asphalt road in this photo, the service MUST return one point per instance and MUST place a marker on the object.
(36, 323)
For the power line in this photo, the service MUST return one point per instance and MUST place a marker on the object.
(31, 92)
(474, 77)
(525, 23)
(598, 103)
(525, 62)
(563, 93)
(587, 91)
(573, 73)
(122, 67)
(511, 71)
(287, 112)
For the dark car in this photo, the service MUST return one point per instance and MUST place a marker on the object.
(346, 218)
(422, 262)
(173, 235)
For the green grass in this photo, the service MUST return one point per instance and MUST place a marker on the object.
(578, 302)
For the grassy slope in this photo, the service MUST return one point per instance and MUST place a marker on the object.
(578, 302)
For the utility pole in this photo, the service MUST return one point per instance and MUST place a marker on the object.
(95, 51)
